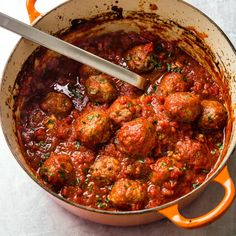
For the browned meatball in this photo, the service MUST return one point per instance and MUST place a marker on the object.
(93, 128)
(183, 106)
(85, 71)
(139, 58)
(136, 138)
(100, 88)
(166, 168)
(105, 170)
(58, 170)
(194, 153)
(124, 109)
(173, 82)
(57, 104)
(127, 192)
(214, 115)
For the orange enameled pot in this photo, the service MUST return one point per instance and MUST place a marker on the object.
(196, 33)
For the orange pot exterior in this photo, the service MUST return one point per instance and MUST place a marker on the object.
(32, 12)
(135, 218)
(173, 214)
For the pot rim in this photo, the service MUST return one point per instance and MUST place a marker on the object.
(176, 201)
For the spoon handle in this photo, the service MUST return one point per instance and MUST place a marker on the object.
(70, 51)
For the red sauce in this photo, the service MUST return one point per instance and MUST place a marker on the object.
(84, 148)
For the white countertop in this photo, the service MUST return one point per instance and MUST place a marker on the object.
(25, 209)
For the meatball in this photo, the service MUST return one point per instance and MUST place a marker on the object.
(214, 115)
(166, 168)
(172, 82)
(93, 128)
(136, 138)
(57, 104)
(183, 106)
(124, 109)
(139, 58)
(194, 153)
(58, 170)
(85, 71)
(126, 192)
(100, 88)
(105, 170)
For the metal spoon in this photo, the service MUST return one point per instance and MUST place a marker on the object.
(70, 51)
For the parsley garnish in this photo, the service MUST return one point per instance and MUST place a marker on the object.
(101, 204)
(76, 93)
(77, 145)
(195, 185)
(170, 168)
(220, 146)
(90, 117)
(213, 152)
(51, 122)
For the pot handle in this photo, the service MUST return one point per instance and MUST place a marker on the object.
(32, 12)
(173, 214)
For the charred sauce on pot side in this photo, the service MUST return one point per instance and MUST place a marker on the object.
(103, 143)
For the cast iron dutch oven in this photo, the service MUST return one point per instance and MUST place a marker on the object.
(184, 22)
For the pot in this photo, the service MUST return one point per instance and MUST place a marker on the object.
(202, 39)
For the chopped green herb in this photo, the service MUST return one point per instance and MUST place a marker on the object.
(93, 92)
(168, 67)
(169, 54)
(170, 168)
(163, 164)
(86, 181)
(44, 170)
(46, 155)
(85, 170)
(90, 187)
(205, 171)
(210, 119)
(158, 65)
(184, 168)
(177, 70)
(130, 104)
(185, 79)
(62, 174)
(96, 103)
(154, 122)
(159, 48)
(42, 144)
(101, 204)
(213, 152)
(154, 61)
(116, 141)
(77, 181)
(41, 162)
(90, 117)
(195, 185)
(141, 160)
(76, 93)
(154, 87)
(220, 146)
(51, 122)
(107, 200)
(77, 145)
(110, 187)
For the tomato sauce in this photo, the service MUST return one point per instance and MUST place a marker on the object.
(129, 151)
